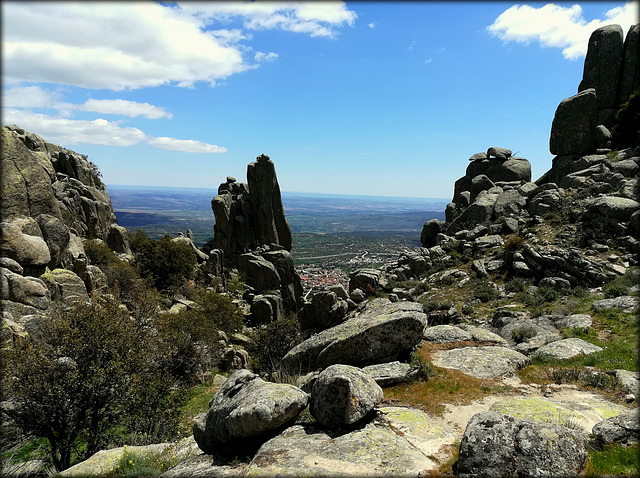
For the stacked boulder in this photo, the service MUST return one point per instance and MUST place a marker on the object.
(52, 199)
(611, 75)
(251, 234)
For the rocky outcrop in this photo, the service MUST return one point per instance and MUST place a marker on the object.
(495, 444)
(611, 75)
(251, 233)
(245, 407)
(482, 362)
(250, 215)
(380, 333)
(398, 442)
(342, 395)
(52, 198)
(623, 429)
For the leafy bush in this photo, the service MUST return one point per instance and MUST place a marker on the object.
(98, 252)
(483, 290)
(431, 305)
(191, 336)
(620, 285)
(90, 375)
(516, 285)
(271, 342)
(167, 262)
(514, 243)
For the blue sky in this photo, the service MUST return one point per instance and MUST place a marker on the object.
(375, 98)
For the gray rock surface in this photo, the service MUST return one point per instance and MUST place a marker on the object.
(399, 442)
(378, 334)
(602, 65)
(387, 374)
(246, 406)
(342, 395)
(574, 123)
(623, 429)
(630, 76)
(482, 362)
(566, 348)
(440, 334)
(498, 445)
(627, 303)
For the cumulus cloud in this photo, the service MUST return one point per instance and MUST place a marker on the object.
(185, 145)
(262, 56)
(125, 108)
(314, 18)
(37, 97)
(556, 26)
(99, 131)
(123, 45)
(69, 131)
(29, 97)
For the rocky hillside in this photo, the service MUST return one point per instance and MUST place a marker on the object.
(52, 199)
(505, 346)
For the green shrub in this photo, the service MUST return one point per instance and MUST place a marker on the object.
(92, 373)
(191, 336)
(516, 285)
(271, 342)
(98, 252)
(431, 305)
(620, 285)
(483, 291)
(514, 243)
(167, 262)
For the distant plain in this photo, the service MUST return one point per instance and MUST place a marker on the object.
(316, 220)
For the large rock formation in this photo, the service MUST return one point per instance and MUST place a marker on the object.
(52, 199)
(380, 333)
(250, 215)
(251, 233)
(611, 75)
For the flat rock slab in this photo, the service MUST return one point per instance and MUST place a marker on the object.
(481, 362)
(387, 374)
(579, 414)
(440, 334)
(378, 334)
(567, 348)
(627, 303)
(104, 462)
(378, 449)
(483, 335)
(574, 321)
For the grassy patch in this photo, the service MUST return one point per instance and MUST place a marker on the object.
(613, 460)
(197, 401)
(442, 386)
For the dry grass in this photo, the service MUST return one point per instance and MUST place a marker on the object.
(446, 386)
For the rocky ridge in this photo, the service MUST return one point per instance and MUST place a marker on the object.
(557, 233)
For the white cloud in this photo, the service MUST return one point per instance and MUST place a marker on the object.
(125, 108)
(69, 132)
(372, 25)
(100, 131)
(29, 97)
(314, 18)
(262, 56)
(556, 26)
(185, 145)
(114, 45)
(37, 97)
(428, 60)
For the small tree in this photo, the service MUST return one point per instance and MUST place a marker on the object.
(167, 261)
(77, 384)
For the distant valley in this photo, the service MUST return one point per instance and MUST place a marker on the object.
(159, 211)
